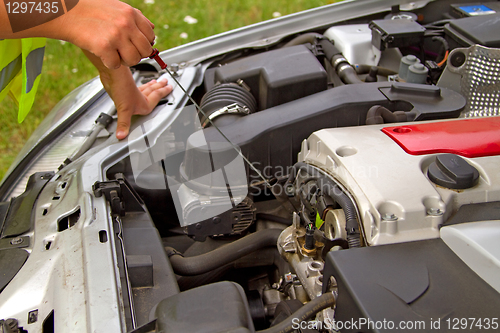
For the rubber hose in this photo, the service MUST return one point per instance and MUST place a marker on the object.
(378, 114)
(344, 69)
(382, 71)
(347, 74)
(306, 312)
(329, 49)
(223, 95)
(303, 39)
(206, 262)
(265, 257)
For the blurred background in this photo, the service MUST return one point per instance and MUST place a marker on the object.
(177, 22)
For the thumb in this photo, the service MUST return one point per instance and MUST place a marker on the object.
(123, 124)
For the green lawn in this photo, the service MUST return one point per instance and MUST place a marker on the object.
(65, 67)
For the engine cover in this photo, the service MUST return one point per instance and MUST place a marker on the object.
(396, 199)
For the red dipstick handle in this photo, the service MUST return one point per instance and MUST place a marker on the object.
(155, 55)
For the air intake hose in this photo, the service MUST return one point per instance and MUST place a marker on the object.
(230, 100)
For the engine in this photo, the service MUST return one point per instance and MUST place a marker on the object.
(333, 172)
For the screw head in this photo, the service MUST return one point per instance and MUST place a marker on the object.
(389, 217)
(16, 241)
(434, 212)
(289, 190)
(457, 59)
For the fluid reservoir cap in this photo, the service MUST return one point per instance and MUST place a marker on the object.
(452, 171)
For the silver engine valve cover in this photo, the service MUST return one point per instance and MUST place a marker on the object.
(396, 199)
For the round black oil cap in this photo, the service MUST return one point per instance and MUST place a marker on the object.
(452, 171)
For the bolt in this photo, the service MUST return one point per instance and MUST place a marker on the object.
(216, 220)
(389, 217)
(17, 241)
(457, 59)
(198, 226)
(174, 67)
(11, 325)
(434, 212)
(289, 189)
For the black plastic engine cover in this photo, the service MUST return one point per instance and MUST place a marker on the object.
(274, 77)
(420, 282)
(212, 308)
(482, 30)
(271, 138)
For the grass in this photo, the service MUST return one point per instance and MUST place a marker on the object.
(65, 66)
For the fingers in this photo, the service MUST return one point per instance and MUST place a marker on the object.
(123, 123)
(145, 26)
(130, 40)
(129, 54)
(145, 85)
(151, 86)
(110, 58)
(155, 96)
(133, 50)
(143, 45)
(151, 93)
(150, 23)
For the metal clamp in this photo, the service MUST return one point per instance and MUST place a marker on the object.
(234, 108)
(339, 61)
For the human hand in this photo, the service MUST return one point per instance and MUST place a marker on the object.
(112, 30)
(139, 101)
(128, 98)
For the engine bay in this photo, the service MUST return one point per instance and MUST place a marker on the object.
(329, 172)
(345, 173)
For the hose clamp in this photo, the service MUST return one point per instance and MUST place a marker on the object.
(234, 108)
(342, 67)
(339, 61)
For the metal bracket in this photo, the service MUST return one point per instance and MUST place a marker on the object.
(120, 195)
(104, 119)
